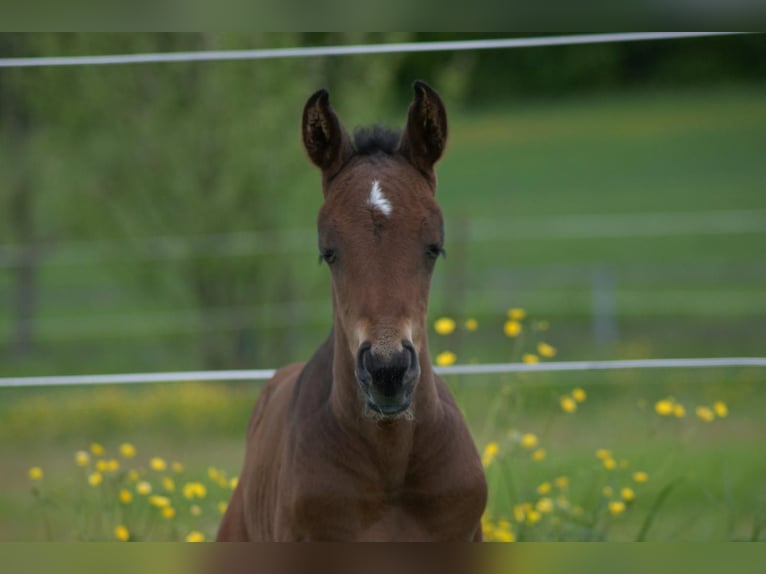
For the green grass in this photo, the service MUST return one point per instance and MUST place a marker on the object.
(720, 493)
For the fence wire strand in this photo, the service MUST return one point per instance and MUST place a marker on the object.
(358, 49)
(484, 369)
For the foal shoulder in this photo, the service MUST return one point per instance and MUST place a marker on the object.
(280, 384)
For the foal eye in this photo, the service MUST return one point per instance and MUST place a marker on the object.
(327, 255)
(434, 250)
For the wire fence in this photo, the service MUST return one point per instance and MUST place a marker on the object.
(250, 243)
(359, 49)
(485, 369)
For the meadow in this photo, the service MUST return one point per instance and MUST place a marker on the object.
(542, 201)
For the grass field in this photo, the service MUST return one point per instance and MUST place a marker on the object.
(681, 269)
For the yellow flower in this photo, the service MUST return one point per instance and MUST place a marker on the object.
(616, 507)
(529, 440)
(444, 326)
(640, 476)
(502, 535)
(110, 465)
(679, 411)
(81, 458)
(610, 464)
(512, 328)
(127, 450)
(177, 467)
(194, 490)
(125, 496)
(143, 488)
(95, 479)
(568, 404)
(664, 407)
(546, 350)
(213, 473)
(627, 494)
(121, 533)
(446, 358)
(471, 324)
(538, 455)
(168, 512)
(544, 488)
(533, 516)
(168, 484)
(516, 314)
(97, 449)
(706, 414)
(233, 482)
(544, 505)
(158, 464)
(720, 409)
(530, 358)
(579, 395)
(541, 325)
(562, 502)
(222, 507)
(490, 451)
(561, 482)
(159, 501)
(603, 453)
(195, 536)
(101, 465)
(195, 510)
(133, 475)
(35, 473)
(519, 512)
(607, 491)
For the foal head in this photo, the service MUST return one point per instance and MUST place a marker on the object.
(380, 232)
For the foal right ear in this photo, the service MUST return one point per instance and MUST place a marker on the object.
(324, 138)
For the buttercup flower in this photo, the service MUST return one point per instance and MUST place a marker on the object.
(609, 463)
(538, 454)
(490, 451)
(579, 395)
(81, 458)
(127, 450)
(512, 328)
(168, 512)
(471, 324)
(530, 358)
(544, 505)
(97, 449)
(568, 404)
(679, 411)
(603, 453)
(125, 496)
(143, 488)
(561, 482)
(446, 358)
(121, 533)
(35, 473)
(640, 476)
(158, 464)
(444, 326)
(627, 494)
(544, 488)
(616, 507)
(720, 408)
(705, 413)
(195, 536)
(529, 440)
(664, 407)
(546, 350)
(516, 314)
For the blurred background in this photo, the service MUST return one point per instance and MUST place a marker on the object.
(161, 217)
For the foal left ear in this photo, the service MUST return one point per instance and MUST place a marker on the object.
(425, 136)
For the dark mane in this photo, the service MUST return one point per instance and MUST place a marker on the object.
(375, 139)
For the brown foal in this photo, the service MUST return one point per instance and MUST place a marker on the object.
(364, 441)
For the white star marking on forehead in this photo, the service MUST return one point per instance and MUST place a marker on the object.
(377, 200)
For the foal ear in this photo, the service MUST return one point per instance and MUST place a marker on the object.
(324, 138)
(425, 136)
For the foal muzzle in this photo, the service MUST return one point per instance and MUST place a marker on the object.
(387, 380)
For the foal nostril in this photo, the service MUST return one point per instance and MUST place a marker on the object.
(362, 357)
